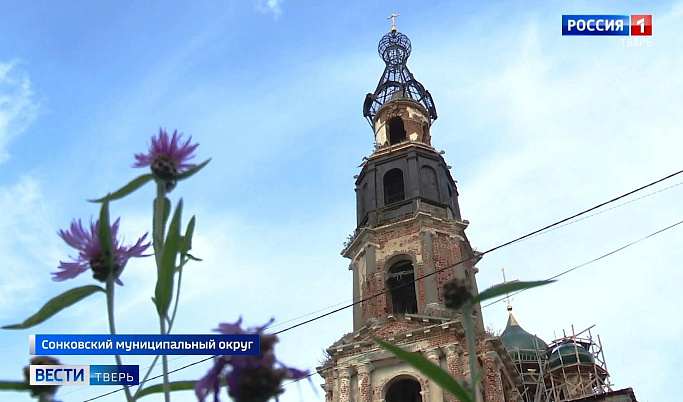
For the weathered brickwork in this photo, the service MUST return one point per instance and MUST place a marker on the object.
(402, 241)
(421, 295)
(445, 255)
(492, 379)
(432, 238)
(493, 385)
(453, 363)
(364, 389)
(344, 385)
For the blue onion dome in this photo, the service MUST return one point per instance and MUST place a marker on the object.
(568, 354)
(521, 345)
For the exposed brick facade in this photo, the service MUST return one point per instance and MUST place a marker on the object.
(422, 227)
(408, 216)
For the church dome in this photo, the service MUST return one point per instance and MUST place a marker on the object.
(520, 344)
(569, 353)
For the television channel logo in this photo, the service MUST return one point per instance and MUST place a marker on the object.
(641, 25)
(607, 25)
(84, 375)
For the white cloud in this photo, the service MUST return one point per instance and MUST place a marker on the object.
(29, 246)
(269, 6)
(17, 106)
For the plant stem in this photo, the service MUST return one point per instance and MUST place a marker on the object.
(164, 364)
(170, 325)
(158, 237)
(159, 223)
(177, 297)
(471, 350)
(144, 379)
(112, 327)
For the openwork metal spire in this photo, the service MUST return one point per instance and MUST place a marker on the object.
(397, 81)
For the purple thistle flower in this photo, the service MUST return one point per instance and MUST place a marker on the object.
(249, 378)
(90, 252)
(167, 157)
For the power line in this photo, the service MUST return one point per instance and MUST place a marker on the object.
(555, 276)
(595, 259)
(154, 378)
(608, 209)
(518, 239)
(537, 234)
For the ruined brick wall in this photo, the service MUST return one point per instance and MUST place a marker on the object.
(445, 254)
(402, 239)
(491, 379)
(359, 378)
(414, 120)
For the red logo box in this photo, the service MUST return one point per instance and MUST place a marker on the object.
(641, 25)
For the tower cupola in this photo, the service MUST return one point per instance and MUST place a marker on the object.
(400, 109)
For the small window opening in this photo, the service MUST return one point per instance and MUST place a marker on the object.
(401, 284)
(393, 187)
(404, 391)
(397, 132)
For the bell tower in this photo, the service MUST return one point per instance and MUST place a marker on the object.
(408, 241)
(408, 218)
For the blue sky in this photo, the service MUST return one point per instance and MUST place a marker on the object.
(536, 126)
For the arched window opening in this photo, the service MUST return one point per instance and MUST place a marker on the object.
(397, 133)
(407, 390)
(393, 187)
(430, 187)
(364, 199)
(401, 285)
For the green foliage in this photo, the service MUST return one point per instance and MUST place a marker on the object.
(57, 304)
(437, 374)
(442, 377)
(166, 214)
(174, 386)
(187, 239)
(14, 386)
(127, 189)
(164, 287)
(190, 172)
(505, 288)
(106, 246)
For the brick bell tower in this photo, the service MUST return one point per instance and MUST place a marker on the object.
(408, 226)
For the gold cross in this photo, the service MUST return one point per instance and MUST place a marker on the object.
(393, 22)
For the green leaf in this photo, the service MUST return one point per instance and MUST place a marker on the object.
(164, 288)
(502, 289)
(174, 386)
(127, 189)
(190, 172)
(187, 239)
(437, 374)
(57, 304)
(167, 210)
(14, 386)
(193, 258)
(105, 237)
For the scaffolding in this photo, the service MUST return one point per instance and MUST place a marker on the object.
(529, 364)
(576, 367)
(572, 367)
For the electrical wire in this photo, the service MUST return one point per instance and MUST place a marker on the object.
(477, 256)
(563, 272)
